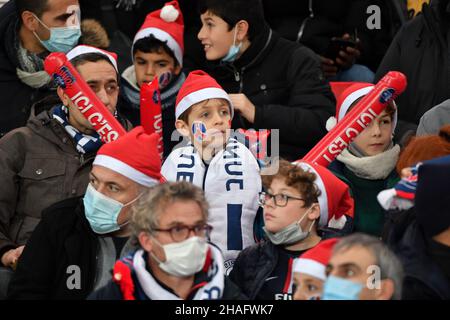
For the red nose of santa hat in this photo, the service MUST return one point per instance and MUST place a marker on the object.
(134, 155)
(335, 201)
(314, 261)
(83, 49)
(197, 87)
(167, 26)
(348, 97)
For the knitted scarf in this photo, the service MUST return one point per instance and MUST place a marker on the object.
(211, 290)
(231, 183)
(85, 143)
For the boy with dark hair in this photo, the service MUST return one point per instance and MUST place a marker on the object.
(277, 84)
(157, 49)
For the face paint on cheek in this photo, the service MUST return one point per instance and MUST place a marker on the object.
(199, 131)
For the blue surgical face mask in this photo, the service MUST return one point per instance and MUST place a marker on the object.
(102, 212)
(62, 39)
(336, 288)
(233, 51)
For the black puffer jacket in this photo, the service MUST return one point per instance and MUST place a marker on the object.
(284, 81)
(16, 97)
(421, 51)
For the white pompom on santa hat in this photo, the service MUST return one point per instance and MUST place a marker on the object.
(84, 49)
(314, 261)
(335, 201)
(347, 98)
(134, 155)
(166, 25)
(197, 87)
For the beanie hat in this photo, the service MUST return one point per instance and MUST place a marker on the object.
(314, 261)
(167, 26)
(134, 155)
(431, 200)
(347, 98)
(197, 87)
(335, 200)
(83, 49)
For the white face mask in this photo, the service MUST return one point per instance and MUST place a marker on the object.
(184, 258)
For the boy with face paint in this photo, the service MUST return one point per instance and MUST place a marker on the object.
(302, 204)
(174, 260)
(223, 167)
(368, 164)
(83, 236)
(157, 51)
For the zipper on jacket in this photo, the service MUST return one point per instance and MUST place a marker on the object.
(82, 158)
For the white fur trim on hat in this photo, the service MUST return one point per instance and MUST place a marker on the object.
(352, 98)
(83, 49)
(331, 123)
(201, 95)
(323, 198)
(169, 13)
(161, 36)
(310, 267)
(125, 170)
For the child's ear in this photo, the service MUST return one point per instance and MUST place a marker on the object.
(314, 212)
(182, 128)
(177, 69)
(242, 30)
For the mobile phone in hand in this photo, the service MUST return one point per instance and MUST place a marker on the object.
(336, 45)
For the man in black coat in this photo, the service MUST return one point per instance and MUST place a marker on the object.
(27, 35)
(73, 249)
(421, 51)
(273, 83)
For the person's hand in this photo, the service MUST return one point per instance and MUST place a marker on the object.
(329, 68)
(244, 106)
(10, 257)
(347, 58)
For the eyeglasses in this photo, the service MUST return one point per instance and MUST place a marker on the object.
(280, 200)
(181, 232)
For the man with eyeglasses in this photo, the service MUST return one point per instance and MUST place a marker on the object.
(73, 249)
(49, 159)
(175, 260)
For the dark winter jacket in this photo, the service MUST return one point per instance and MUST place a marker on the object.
(62, 239)
(39, 166)
(423, 277)
(16, 97)
(421, 51)
(284, 81)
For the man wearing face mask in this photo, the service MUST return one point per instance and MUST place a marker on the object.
(303, 204)
(174, 260)
(361, 267)
(72, 250)
(29, 30)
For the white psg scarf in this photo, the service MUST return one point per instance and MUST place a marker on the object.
(231, 183)
(213, 290)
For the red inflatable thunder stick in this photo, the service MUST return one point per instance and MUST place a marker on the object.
(151, 115)
(359, 117)
(67, 77)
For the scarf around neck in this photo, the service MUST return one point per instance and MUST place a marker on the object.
(377, 167)
(133, 93)
(231, 183)
(84, 143)
(211, 290)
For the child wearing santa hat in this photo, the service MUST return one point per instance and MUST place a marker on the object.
(223, 167)
(310, 271)
(303, 204)
(157, 51)
(368, 164)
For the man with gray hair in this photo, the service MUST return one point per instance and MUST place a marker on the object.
(363, 268)
(175, 260)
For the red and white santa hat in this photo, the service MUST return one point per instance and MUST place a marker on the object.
(335, 200)
(83, 49)
(314, 261)
(197, 87)
(346, 99)
(134, 155)
(166, 25)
